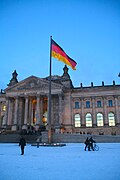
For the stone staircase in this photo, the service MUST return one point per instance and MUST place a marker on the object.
(14, 138)
(60, 138)
(78, 138)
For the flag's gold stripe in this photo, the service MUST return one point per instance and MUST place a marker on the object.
(62, 58)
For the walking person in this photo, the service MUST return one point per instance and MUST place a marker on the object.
(86, 143)
(22, 144)
(90, 146)
(38, 142)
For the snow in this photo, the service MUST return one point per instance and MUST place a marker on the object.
(70, 162)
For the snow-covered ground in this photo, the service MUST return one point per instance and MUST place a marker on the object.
(70, 162)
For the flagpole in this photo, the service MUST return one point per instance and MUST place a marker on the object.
(49, 99)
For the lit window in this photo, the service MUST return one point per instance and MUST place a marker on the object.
(98, 103)
(77, 120)
(110, 103)
(4, 108)
(44, 119)
(88, 120)
(77, 105)
(99, 119)
(111, 119)
(87, 104)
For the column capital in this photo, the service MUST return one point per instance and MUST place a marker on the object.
(26, 96)
(16, 96)
(7, 98)
(104, 97)
(60, 95)
(115, 96)
(38, 96)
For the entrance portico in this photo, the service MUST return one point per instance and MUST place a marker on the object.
(28, 105)
(28, 110)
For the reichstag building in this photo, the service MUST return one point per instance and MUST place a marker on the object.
(84, 110)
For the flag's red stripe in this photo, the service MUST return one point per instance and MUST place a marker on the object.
(59, 50)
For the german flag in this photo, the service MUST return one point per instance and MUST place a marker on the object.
(59, 53)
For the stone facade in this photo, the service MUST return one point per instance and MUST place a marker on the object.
(83, 110)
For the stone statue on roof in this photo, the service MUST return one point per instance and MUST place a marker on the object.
(14, 79)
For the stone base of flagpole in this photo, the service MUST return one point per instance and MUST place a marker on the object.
(46, 140)
(50, 145)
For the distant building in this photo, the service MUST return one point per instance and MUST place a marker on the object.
(84, 110)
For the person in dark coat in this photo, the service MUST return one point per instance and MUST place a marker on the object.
(22, 144)
(90, 146)
(86, 143)
(38, 142)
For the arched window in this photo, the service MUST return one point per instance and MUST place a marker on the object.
(88, 120)
(77, 120)
(111, 119)
(99, 119)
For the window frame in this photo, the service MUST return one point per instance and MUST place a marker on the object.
(87, 104)
(110, 103)
(100, 121)
(88, 120)
(77, 123)
(77, 104)
(111, 119)
(99, 104)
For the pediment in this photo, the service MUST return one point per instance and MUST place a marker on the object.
(33, 83)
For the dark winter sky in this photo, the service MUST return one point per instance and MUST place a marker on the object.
(87, 30)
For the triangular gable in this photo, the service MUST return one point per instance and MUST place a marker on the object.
(33, 83)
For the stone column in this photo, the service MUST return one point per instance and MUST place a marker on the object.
(26, 114)
(9, 120)
(31, 123)
(117, 118)
(30, 112)
(0, 114)
(14, 127)
(38, 111)
(94, 122)
(10, 112)
(105, 112)
(48, 110)
(60, 108)
(5, 118)
(59, 122)
(21, 113)
(82, 113)
(41, 110)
